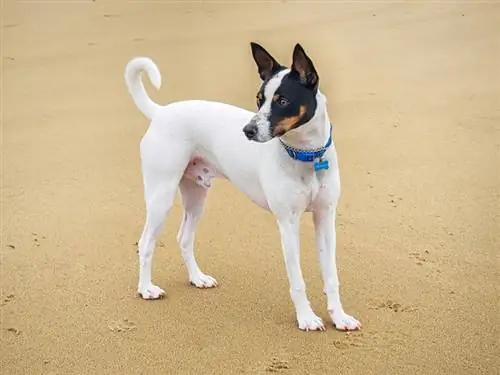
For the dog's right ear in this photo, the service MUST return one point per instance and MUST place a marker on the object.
(266, 64)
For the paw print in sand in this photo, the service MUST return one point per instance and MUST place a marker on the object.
(122, 325)
(277, 365)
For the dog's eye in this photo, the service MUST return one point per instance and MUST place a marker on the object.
(283, 102)
(259, 101)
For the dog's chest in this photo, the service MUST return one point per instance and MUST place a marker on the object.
(307, 189)
(323, 190)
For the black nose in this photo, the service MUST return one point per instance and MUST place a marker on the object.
(250, 131)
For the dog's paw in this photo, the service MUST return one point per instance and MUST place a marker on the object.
(310, 322)
(151, 292)
(203, 281)
(344, 322)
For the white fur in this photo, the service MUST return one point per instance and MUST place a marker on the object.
(187, 137)
(136, 87)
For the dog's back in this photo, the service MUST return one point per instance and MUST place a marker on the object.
(203, 132)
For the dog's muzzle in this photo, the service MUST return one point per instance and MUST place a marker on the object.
(251, 130)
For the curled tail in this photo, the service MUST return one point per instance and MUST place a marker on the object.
(136, 87)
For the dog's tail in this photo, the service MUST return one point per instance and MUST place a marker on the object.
(136, 87)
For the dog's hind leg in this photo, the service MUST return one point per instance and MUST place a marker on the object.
(162, 168)
(193, 198)
(157, 207)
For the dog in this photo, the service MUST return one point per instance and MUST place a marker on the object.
(282, 157)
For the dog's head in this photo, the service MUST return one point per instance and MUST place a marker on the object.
(287, 97)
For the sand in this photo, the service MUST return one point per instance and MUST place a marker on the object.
(414, 92)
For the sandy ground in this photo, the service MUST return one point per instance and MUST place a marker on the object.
(414, 95)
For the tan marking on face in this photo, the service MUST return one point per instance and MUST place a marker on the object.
(288, 123)
(259, 96)
(275, 98)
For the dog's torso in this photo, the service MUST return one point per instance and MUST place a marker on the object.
(212, 132)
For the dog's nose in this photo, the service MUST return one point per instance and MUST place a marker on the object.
(250, 131)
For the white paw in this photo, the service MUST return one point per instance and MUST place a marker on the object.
(151, 292)
(203, 281)
(310, 322)
(344, 322)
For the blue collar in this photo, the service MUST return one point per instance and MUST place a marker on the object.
(310, 155)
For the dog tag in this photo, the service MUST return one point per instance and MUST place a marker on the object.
(321, 164)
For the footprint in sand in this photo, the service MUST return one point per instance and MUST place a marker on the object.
(277, 365)
(362, 340)
(9, 298)
(14, 330)
(122, 325)
(355, 340)
(394, 307)
(420, 258)
(36, 239)
(394, 200)
(352, 341)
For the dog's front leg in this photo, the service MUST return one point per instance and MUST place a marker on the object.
(324, 223)
(289, 230)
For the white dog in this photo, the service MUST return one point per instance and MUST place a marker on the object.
(289, 168)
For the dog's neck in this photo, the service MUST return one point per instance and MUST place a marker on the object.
(315, 133)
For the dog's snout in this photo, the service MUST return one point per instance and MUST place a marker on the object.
(250, 131)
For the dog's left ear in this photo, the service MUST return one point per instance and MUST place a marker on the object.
(303, 67)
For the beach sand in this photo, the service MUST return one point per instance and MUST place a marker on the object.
(413, 93)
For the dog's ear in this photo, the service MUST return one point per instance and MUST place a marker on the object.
(303, 68)
(266, 64)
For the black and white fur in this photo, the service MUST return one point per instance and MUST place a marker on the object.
(190, 142)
